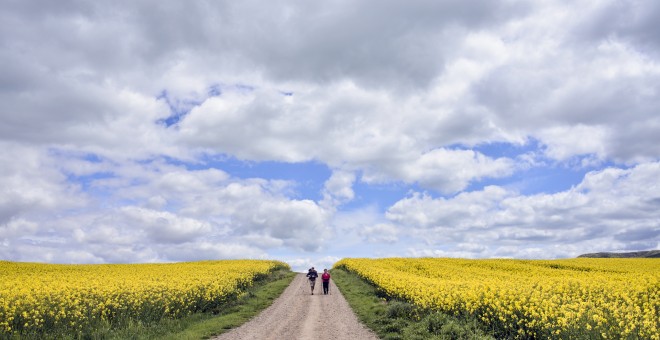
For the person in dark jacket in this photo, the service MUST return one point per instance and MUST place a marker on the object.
(312, 275)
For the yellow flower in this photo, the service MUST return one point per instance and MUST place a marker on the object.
(65, 296)
(542, 297)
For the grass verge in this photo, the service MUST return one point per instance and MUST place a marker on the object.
(256, 300)
(200, 325)
(394, 319)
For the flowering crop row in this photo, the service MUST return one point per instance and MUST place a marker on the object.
(39, 298)
(573, 298)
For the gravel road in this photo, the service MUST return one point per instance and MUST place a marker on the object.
(297, 314)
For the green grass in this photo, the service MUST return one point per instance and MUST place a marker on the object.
(195, 326)
(245, 309)
(394, 319)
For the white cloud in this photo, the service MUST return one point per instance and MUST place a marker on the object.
(142, 210)
(300, 224)
(609, 209)
(183, 181)
(566, 142)
(380, 233)
(30, 182)
(208, 250)
(451, 171)
(17, 228)
(498, 70)
(398, 93)
(465, 211)
(338, 188)
(165, 227)
(500, 73)
(353, 227)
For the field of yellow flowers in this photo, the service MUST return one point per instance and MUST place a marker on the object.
(42, 298)
(573, 298)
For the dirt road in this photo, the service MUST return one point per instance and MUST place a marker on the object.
(298, 315)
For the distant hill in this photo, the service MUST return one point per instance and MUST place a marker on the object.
(647, 254)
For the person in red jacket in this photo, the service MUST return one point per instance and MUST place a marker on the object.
(326, 281)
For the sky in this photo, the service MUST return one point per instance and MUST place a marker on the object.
(310, 131)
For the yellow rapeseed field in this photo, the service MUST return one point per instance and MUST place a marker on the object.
(573, 298)
(37, 298)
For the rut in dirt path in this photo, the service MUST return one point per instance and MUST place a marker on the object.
(297, 314)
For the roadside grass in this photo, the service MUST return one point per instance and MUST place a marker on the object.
(392, 319)
(254, 301)
(198, 325)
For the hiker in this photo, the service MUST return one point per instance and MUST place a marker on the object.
(326, 281)
(312, 275)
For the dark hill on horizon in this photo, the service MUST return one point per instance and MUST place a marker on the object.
(634, 254)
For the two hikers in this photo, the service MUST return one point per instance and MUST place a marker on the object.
(312, 275)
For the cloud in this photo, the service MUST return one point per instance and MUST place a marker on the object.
(114, 115)
(419, 77)
(165, 227)
(30, 181)
(139, 211)
(391, 44)
(549, 80)
(209, 250)
(464, 211)
(17, 228)
(338, 188)
(380, 233)
(633, 21)
(609, 209)
(300, 224)
(279, 129)
(565, 142)
(495, 71)
(447, 171)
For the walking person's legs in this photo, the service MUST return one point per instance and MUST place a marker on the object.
(325, 287)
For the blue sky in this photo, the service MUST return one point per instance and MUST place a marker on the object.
(308, 132)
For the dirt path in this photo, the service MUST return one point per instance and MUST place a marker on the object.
(297, 314)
